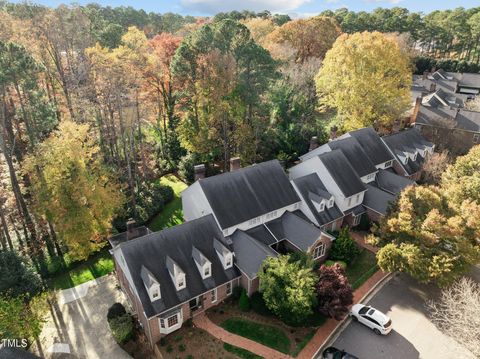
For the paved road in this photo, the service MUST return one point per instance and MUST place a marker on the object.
(77, 326)
(413, 336)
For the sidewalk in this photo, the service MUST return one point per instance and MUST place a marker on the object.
(201, 321)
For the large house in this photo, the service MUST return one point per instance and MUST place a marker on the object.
(235, 220)
(258, 210)
(439, 109)
(171, 275)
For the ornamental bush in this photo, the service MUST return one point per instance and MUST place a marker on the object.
(122, 328)
(115, 311)
(344, 247)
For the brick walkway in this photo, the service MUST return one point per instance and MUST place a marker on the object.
(202, 321)
(359, 237)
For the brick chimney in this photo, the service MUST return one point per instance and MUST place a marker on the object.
(313, 143)
(425, 75)
(235, 164)
(416, 109)
(333, 132)
(131, 229)
(433, 87)
(199, 171)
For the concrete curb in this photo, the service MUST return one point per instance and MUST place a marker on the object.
(345, 321)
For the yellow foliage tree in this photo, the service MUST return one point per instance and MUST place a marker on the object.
(73, 189)
(367, 78)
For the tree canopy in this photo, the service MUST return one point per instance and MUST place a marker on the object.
(367, 79)
(432, 232)
(73, 189)
(288, 287)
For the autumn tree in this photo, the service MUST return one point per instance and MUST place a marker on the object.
(73, 189)
(457, 313)
(334, 292)
(288, 288)
(252, 69)
(311, 37)
(367, 79)
(434, 167)
(429, 236)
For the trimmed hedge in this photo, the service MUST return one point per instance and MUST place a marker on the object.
(121, 323)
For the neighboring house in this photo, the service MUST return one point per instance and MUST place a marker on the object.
(171, 275)
(347, 177)
(257, 209)
(410, 150)
(442, 119)
(454, 82)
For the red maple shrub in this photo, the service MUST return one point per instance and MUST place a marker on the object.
(334, 292)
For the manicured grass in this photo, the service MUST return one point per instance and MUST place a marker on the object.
(303, 343)
(172, 214)
(96, 266)
(240, 352)
(267, 335)
(362, 268)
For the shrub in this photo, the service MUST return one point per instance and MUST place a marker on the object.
(115, 311)
(334, 292)
(344, 247)
(17, 277)
(182, 347)
(258, 304)
(122, 328)
(169, 349)
(244, 302)
(163, 341)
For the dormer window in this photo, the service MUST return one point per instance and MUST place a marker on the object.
(204, 266)
(322, 207)
(151, 284)
(224, 254)
(330, 203)
(388, 164)
(176, 273)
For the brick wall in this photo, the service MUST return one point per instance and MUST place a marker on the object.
(373, 216)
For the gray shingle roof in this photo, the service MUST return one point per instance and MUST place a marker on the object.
(355, 154)
(391, 182)
(238, 196)
(407, 140)
(249, 253)
(151, 252)
(313, 184)
(447, 85)
(299, 232)
(344, 175)
(378, 200)
(372, 145)
(16, 353)
(116, 239)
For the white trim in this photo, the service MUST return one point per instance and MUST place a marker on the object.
(323, 249)
(231, 288)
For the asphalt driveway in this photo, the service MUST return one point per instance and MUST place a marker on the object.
(77, 325)
(413, 335)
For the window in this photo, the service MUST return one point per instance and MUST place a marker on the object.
(415, 157)
(319, 251)
(173, 320)
(356, 220)
(206, 272)
(228, 261)
(387, 164)
(229, 288)
(349, 201)
(162, 323)
(476, 138)
(357, 199)
(322, 206)
(180, 283)
(213, 295)
(330, 203)
(155, 294)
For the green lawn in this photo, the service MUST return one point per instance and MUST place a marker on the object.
(96, 266)
(240, 352)
(172, 214)
(362, 268)
(267, 335)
